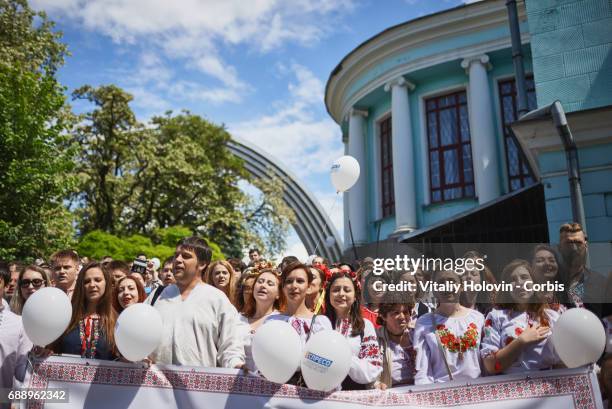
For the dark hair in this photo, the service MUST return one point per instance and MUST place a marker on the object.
(199, 247)
(346, 264)
(69, 253)
(237, 264)
(503, 299)
(118, 265)
(239, 299)
(168, 260)
(254, 250)
(356, 318)
(287, 261)
(484, 299)
(5, 275)
(295, 266)
(384, 309)
(142, 295)
(108, 315)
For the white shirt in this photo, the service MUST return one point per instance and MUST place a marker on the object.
(14, 348)
(247, 334)
(302, 325)
(366, 361)
(503, 326)
(463, 358)
(202, 330)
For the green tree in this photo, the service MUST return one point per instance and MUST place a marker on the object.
(35, 156)
(177, 171)
(97, 244)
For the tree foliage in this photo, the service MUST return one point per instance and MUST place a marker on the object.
(97, 244)
(35, 156)
(177, 170)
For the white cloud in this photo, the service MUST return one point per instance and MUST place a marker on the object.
(315, 138)
(196, 30)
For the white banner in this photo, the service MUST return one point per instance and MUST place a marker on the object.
(95, 384)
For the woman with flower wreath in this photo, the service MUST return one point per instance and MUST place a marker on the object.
(447, 340)
(343, 308)
(90, 332)
(517, 331)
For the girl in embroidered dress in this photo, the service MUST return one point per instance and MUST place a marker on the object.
(517, 332)
(264, 301)
(395, 339)
(295, 280)
(447, 340)
(342, 306)
(90, 332)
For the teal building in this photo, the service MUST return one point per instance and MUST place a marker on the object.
(426, 107)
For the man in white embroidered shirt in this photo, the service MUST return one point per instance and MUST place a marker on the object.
(199, 322)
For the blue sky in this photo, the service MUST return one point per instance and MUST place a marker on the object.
(257, 66)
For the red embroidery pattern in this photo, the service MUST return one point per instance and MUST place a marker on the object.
(369, 349)
(578, 386)
(469, 340)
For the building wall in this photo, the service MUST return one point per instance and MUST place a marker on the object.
(572, 52)
(443, 79)
(572, 58)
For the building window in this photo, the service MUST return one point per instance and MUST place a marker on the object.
(450, 151)
(386, 167)
(519, 172)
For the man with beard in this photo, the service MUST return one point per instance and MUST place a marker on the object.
(201, 326)
(585, 288)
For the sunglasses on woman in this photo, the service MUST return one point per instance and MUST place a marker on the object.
(37, 282)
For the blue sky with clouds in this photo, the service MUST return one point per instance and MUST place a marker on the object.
(257, 66)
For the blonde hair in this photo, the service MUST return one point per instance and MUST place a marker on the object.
(230, 289)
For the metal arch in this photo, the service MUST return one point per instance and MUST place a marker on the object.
(312, 224)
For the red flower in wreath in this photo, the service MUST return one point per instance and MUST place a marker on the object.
(518, 331)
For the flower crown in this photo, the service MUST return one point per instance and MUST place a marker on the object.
(264, 265)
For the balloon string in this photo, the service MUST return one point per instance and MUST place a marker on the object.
(331, 210)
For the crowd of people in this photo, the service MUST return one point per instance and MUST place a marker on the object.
(212, 310)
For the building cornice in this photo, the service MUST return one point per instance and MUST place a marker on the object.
(428, 30)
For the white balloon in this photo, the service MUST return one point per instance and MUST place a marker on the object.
(277, 351)
(46, 315)
(156, 263)
(326, 361)
(138, 331)
(344, 173)
(579, 337)
(330, 241)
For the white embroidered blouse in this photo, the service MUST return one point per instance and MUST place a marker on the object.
(504, 326)
(459, 341)
(366, 363)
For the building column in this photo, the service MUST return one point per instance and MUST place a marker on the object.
(404, 181)
(357, 195)
(482, 131)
